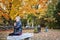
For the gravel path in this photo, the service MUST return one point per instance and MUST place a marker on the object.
(50, 35)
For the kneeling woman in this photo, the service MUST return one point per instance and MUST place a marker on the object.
(17, 27)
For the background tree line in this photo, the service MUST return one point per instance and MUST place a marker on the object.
(32, 13)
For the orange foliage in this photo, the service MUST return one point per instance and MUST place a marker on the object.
(6, 16)
(27, 7)
(29, 3)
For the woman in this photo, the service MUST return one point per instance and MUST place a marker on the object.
(17, 27)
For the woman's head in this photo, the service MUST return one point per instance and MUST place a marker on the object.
(17, 18)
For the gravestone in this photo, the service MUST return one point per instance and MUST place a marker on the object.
(24, 36)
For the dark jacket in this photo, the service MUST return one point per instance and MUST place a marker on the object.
(18, 27)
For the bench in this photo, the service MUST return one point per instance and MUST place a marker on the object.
(24, 36)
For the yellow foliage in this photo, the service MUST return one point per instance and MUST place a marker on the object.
(17, 8)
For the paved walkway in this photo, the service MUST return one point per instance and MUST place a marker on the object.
(50, 35)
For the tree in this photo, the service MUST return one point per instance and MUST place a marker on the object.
(57, 15)
(21, 7)
(50, 13)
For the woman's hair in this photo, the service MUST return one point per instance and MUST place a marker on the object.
(17, 14)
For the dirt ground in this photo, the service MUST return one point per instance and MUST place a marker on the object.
(50, 35)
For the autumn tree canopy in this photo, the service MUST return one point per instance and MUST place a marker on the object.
(23, 7)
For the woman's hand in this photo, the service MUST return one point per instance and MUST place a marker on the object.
(14, 24)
